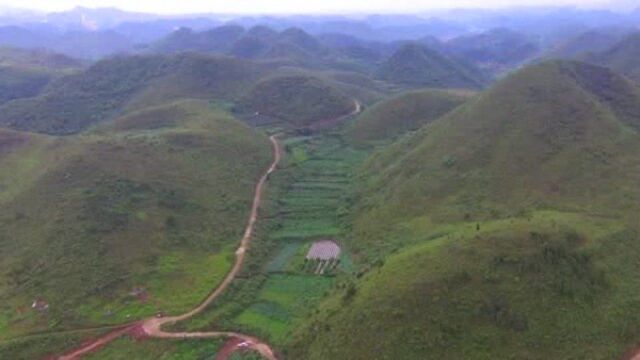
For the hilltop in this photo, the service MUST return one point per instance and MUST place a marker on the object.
(257, 43)
(414, 65)
(498, 229)
(495, 49)
(25, 73)
(622, 57)
(407, 112)
(111, 87)
(586, 44)
(296, 100)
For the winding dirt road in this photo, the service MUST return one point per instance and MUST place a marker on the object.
(152, 327)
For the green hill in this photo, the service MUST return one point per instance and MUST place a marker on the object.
(415, 65)
(495, 49)
(218, 40)
(25, 73)
(504, 230)
(37, 59)
(584, 44)
(139, 216)
(108, 88)
(622, 57)
(407, 112)
(296, 100)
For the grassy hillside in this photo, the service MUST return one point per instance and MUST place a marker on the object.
(585, 44)
(39, 59)
(496, 49)
(16, 83)
(140, 215)
(218, 40)
(296, 100)
(388, 119)
(622, 57)
(415, 65)
(104, 90)
(553, 135)
(25, 73)
(505, 229)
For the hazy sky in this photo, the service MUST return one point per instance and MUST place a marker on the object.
(303, 6)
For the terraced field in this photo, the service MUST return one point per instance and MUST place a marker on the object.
(310, 208)
(306, 201)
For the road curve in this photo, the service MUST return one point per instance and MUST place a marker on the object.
(152, 327)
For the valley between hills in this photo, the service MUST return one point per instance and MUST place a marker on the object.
(245, 191)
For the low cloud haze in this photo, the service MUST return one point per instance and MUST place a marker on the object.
(311, 6)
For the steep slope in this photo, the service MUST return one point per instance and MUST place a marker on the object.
(415, 65)
(506, 229)
(410, 111)
(109, 226)
(590, 42)
(112, 86)
(218, 40)
(622, 57)
(25, 73)
(494, 49)
(37, 59)
(296, 100)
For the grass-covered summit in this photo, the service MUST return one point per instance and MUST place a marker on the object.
(114, 86)
(415, 65)
(26, 73)
(296, 100)
(558, 134)
(504, 230)
(406, 112)
(622, 57)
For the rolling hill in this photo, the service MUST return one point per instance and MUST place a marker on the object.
(25, 73)
(587, 43)
(109, 225)
(622, 57)
(505, 229)
(414, 65)
(407, 112)
(495, 49)
(295, 100)
(218, 40)
(116, 85)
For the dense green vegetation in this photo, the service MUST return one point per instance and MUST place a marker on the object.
(407, 112)
(296, 100)
(152, 349)
(306, 202)
(622, 57)
(140, 215)
(586, 44)
(520, 290)
(492, 225)
(414, 65)
(37, 59)
(44, 346)
(527, 144)
(18, 83)
(111, 87)
(505, 229)
(25, 73)
(495, 49)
